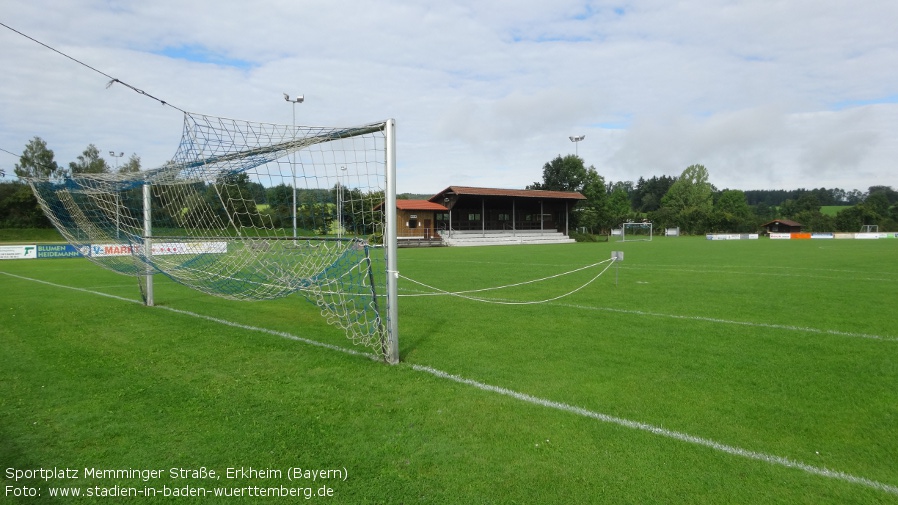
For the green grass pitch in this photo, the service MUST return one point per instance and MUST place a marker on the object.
(694, 372)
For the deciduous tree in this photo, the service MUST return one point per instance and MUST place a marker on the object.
(618, 206)
(130, 166)
(691, 191)
(690, 199)
(89, 162)
(732, 213)
(594, 212)
(562, 174)
(37, 161)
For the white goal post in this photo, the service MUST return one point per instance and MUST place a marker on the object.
(636, 232)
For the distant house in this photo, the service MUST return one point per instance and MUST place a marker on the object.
(782, 226)
(417, 218)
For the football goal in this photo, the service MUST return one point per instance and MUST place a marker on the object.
(253, 211)
(636, 232)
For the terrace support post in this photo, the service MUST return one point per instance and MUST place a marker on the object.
(567, 229)
(540, 215)
(514, 224)
(483, 216)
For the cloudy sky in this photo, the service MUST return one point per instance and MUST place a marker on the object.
(765, 94)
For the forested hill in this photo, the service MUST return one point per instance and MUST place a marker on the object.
(776, 197)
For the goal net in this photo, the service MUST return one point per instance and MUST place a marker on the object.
(252, 211)
(635, 232)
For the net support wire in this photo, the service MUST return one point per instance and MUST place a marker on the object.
(465, 294)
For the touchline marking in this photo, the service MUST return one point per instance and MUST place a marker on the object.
(731, 268)
(739, 323)
(534, 400)
(656, 430)
(772, 326)
(756, 273)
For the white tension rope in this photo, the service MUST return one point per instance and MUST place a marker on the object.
(463, 294)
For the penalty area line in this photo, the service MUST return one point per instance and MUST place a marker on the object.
(533, 400)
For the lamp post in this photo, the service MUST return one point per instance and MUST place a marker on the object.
(117, 219)
(446, 204)
(294, 101)
(116, 156)
(576, 140)
(340, 202)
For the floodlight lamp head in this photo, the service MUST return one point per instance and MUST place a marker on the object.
(577, 138)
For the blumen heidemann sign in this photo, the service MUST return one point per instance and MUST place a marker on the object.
(58, 251)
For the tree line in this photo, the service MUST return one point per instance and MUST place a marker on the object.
(18, 206)
(245, 203)
(689, 201)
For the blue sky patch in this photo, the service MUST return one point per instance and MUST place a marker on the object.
(623, 124)
(199, 54)
(548, 38)
(847, 104)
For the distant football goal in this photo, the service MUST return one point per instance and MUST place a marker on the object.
(636, 232)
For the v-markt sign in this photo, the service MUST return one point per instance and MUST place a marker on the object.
(18, 252)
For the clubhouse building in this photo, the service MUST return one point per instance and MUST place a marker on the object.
(464, 215)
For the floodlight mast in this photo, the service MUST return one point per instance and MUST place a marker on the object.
(576, 139)
(116, 156)
(117, 198)
(340, 187)
(295, 101)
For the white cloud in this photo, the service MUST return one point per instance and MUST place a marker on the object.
(484, 93)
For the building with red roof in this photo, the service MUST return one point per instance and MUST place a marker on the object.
(489, 209)
(466, 209)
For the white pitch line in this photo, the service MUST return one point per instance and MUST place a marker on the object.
(756, 273)
(738, 323)
(657, 430)
(534, 400)
(806, 329)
